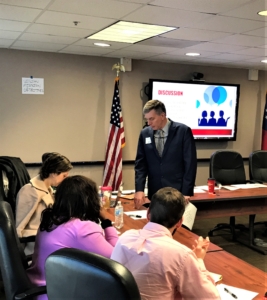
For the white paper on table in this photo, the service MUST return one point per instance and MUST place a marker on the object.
(216, 277)
(249, 185)
(230, 188)
(198, 190)
(240, 293)
(189, 215)
(133, 214)
(128, 192)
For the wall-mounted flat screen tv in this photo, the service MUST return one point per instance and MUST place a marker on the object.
(209, 109)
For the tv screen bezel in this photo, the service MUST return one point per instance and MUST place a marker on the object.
(150, 84)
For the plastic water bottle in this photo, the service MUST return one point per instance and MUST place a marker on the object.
(100, 195)
(119, 215)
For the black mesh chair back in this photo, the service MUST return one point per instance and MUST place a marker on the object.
(76, 274)
(12, 259)
(17, 175)
(227, 167)
(258, 166)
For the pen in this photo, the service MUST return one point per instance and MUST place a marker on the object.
(135, 216)
(233, 295)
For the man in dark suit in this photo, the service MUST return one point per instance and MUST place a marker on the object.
(166, 155)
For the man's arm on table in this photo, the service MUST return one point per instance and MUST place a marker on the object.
(195, 281)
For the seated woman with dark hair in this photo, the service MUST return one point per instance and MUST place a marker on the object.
(37, 195)
(72, 222)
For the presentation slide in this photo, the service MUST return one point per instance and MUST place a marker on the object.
(209, 110)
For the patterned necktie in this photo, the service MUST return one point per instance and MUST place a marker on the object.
(160, 144)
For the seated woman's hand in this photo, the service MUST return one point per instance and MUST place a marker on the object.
(103, 214)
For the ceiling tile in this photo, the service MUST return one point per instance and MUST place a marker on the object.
(135, 1)
(37, 46)
(9, 34)
(165, 16)
(13, 25)
(242, 40)
(194, 34)
(47, 38)
(58, 30)
(66, 19)
(214, 6)
(227, 24)
(27, 3)
(90, 43)
(85, 50)
(130, 54)
(170, 58)
(160, 41)
(253, 51)
(151, 49)
(257, 32)
(249, 10)
(18, 13)
(4, 43)
(214, 47)
(98, 8)
(231, 56)
(182, 52)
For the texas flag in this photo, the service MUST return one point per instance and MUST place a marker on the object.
(264, 128)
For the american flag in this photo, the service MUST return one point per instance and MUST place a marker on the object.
(116, 141)
(264, 128)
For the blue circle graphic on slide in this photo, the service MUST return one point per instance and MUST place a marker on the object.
(215, 95)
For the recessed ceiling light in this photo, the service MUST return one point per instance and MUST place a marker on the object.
(102, 44)
(264, 61)
(129, 32)
(192, 54)
(262, 13)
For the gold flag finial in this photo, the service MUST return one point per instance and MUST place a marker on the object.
(119, 68)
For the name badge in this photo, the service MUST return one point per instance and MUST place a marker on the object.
(148, 140)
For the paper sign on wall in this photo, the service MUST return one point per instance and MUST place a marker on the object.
(33, 86)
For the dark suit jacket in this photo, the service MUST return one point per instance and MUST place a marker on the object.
(177, 166)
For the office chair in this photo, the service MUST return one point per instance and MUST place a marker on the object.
(258, 166)
(17, 175)
(258, 171)
(227, 167)
(76, 274)
(13, 263)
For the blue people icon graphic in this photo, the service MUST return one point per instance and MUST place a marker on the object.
(213, 95)
(212, 120)
(203, 121)
(221, 121)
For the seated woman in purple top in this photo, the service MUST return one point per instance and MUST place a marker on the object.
(72, 222)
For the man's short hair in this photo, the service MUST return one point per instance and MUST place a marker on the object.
(167, 207)
(157, 105)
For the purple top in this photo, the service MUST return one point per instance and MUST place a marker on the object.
(83, 235)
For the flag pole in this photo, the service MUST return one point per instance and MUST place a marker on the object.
(116, 140)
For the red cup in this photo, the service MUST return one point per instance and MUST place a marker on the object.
(211, 185)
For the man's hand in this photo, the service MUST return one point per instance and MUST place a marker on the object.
(201, 247)
(139, 199)
(187, 199)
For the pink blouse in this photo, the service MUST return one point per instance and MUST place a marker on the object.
(83, 235)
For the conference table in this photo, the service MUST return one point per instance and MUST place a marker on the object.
(225, 203)
(234, 271)
(183, 236)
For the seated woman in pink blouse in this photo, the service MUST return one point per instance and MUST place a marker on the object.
(72, 222)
